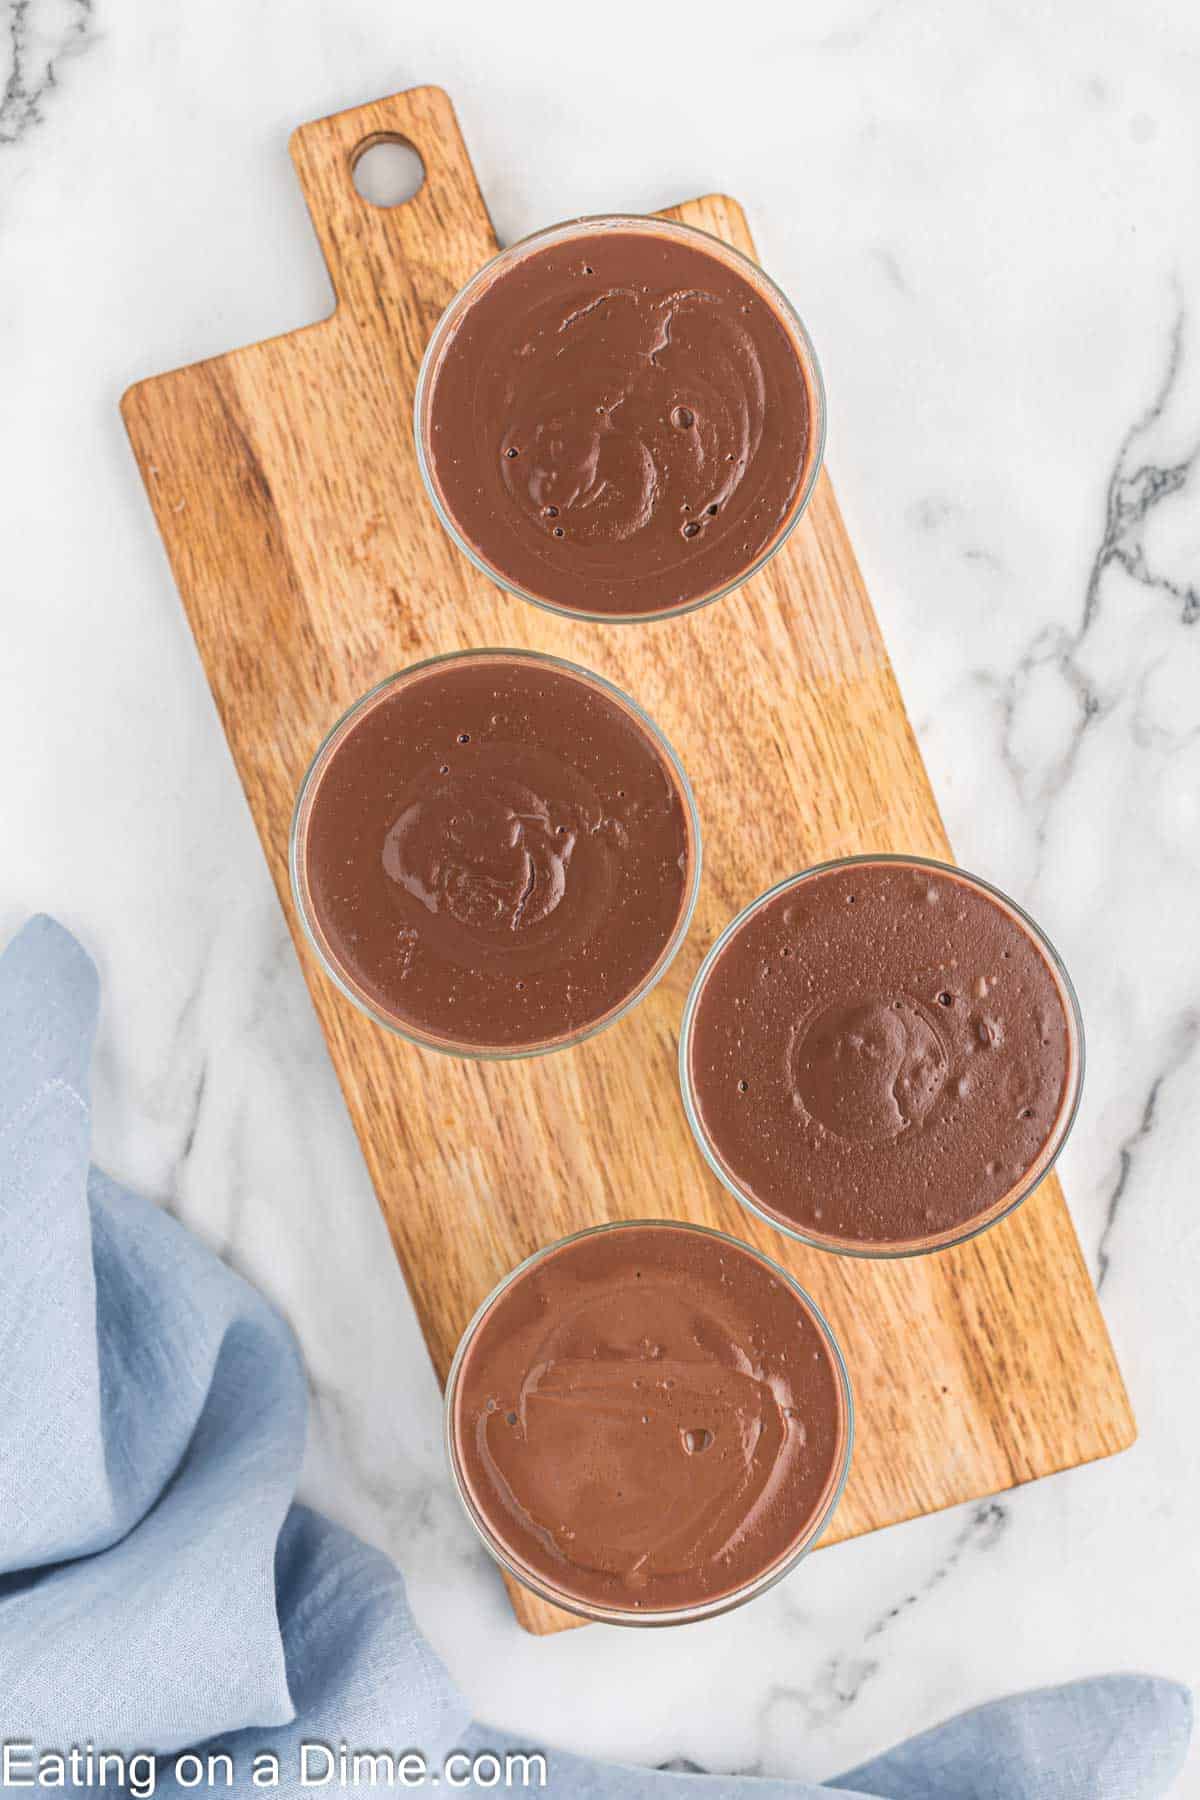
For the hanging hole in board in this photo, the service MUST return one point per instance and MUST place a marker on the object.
(387, 172)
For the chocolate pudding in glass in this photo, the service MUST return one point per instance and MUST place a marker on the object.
(495, 853)
(620, 418)
(648, 1423)
(881, 1056)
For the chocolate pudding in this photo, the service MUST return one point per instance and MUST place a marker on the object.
(648, 1420)
(620, 418)
(495, 852)
(881, 1056)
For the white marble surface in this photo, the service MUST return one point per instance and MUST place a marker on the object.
(987, 213)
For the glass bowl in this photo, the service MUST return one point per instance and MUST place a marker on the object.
(968, 1228)
(345, 979)
(552, 237)
(800, 1546)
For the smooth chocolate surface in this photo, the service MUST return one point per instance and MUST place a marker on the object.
(498, 852)
(649, 1418)
(882, 1054)
(621, 423)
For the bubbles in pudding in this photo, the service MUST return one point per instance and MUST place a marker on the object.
(869, 1068)
(599, 444)
(882, 1053)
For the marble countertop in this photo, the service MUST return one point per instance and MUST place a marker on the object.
(986, 213)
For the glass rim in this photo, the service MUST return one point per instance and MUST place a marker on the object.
(306, 913)
(899, 1247)
(650, 223)
(750, 1590)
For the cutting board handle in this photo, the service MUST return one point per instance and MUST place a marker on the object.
(380, 255)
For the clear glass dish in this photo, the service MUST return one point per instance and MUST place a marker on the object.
(721, 1603)
(589, 226)
(344, 979)
(970, 1227)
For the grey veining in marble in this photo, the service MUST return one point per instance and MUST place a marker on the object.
(41, 41)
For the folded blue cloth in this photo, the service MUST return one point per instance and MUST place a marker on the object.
(160, 1589)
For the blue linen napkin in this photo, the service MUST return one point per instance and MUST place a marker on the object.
(160, 1589)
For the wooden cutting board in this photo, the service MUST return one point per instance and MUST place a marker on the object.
(285, 486)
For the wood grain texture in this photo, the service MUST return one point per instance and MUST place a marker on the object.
(285, 485)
